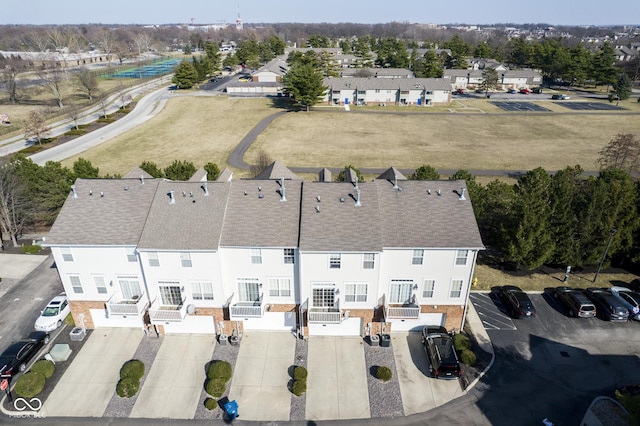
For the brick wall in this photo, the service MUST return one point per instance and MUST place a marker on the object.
(82, 307)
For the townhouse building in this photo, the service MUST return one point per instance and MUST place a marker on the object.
(271, 253)
(392, 91)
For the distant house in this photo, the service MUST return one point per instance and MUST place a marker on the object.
(516, 79)
(392, 91)
(265, 81)
(377, 72)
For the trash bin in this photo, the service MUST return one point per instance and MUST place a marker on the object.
(374, 340)
(385, 340)
(223, 339)
(234, 340)
(231, 408)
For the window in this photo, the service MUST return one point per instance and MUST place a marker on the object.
(256, 256)
(131, 255)
(185, 260)
(456, 288)
(334, 261)
(76, 284)
(355, 292)
(130, 288)
(368, 261)
(67, 256)
(400, 291)
(202, 290)
(324, 297)
(427, 288)
(279, 287)
(289, 255)
(153, 259)
(170, 294)
(101, 287)
(248, 289)
(461, 257)
(418, 256)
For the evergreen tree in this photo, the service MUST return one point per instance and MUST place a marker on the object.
(179, 170)
(304, 83)
(152, 168)
(213, 171)
(489, 80)
(342, 175)
(84, 169)
(185, 75)
(566, 188)
(622, 87)
(425, 172)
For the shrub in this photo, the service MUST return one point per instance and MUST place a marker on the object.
(219, 370)
(383, 373)
(30, 384)
(105, 120)
(75, 132)
(300, 373)
(468, 357)
(45, 367)
(461, 342)
(34, 249)
(216, 387)
(127, 387)
(132, 369)
(210, 404)
(299, 387)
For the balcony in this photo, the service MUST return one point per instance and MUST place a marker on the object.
(404, 311)
(325, 315)
(162, 313)
(246, 309)
(116, 305)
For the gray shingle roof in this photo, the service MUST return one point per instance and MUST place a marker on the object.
(371, 83)
(116, 218)
(378, 72)
(199, 176)
(392, 174)
(251, 221)
(136, 173)
(191, 223)
(225, 175)
(277, 170)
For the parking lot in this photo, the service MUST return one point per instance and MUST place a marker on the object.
(519, 106)
(590, 106)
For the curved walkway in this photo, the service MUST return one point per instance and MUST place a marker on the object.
(236, 158)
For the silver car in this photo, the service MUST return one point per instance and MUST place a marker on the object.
(630, 299)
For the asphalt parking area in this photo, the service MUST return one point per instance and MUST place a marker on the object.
(491, 312)
(590, 106)
(519, 106)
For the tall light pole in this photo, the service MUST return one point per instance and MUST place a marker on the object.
(613, 232)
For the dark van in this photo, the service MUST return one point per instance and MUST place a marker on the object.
(443, 360)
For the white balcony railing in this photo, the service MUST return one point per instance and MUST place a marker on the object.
(406, 311)
(162, 313)
(246, 309)
(116, 305)
(325, 315)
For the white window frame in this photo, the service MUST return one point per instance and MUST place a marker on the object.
(185, 259)
(256, 256)
(417, 257)
(289, 256)
(356, 292)
(456, 287)
(76, 284)
(248, 287)
(170, 293)
(398, 296)
(368, 261)
(131, 287)
(67, 255)
(428, 288)
(154, 262)
(131, 255)
(279, 287)
(201, 290)
(323, 295)
(335, 260)
(101, 285)
(462, 257)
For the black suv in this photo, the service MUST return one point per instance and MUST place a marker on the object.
(609, 306)
(576, 301)
(443, 360)
(516, 301)
(16, 357)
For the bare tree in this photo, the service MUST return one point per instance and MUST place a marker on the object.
(104, 103)
(65, 42)
(75, 112)
(51, 80)
(106, 43)
(142, 41)
(87, 82)
(126, 99)
(35, 125)
(263, 161)
(622, 152)
(12, 202)
(10, 68)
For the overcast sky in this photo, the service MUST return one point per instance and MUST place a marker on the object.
(553, 12)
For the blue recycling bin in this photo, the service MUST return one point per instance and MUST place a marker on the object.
(231, 408)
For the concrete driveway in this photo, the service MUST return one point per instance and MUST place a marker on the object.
(174, 384)
(420, 392)
(90, 381)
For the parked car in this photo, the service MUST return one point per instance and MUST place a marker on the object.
(525, 91)
(577, 303)
(460, 91)
(609, 306)
(537, 90)
(245, 78)
(630, 299)
(443, 360)
(16, 357)
(560, 97)
(53, 315)
(516, 302)
(512, 90)
(634, 285)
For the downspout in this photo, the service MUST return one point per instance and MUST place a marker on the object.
(466, 302)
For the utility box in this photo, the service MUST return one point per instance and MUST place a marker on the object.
(77, 334)
(223, 339)
(374, 340)
(385, 340)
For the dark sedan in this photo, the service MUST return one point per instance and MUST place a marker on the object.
(516, 302)
(16, 357)
(609, 306)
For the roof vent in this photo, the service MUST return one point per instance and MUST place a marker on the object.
(342, 199)
(317, 209)
(184, 194)
(428, 191)
(439, 192)
(318, 198)
(141, 180)
(191, 194)
(283, 191)
(172, 198)
(260, 195)
(205, 189)
(101, 194)
(73, 189)
(90, 192)
(395, 181)
(461, 198)
(126, 188)
(245, 192)
(358, 197)
(259, 188)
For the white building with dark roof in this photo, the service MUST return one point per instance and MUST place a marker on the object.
(332, 258)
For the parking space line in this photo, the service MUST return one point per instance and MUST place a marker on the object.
(489, 312)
